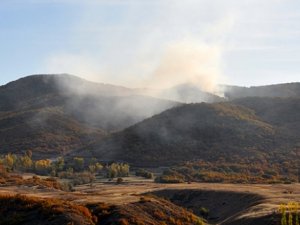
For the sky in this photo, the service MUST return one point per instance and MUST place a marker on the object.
(146, 43)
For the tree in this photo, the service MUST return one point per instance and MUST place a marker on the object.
(43, 166)
(123, 170)
(78, 163)
(116, 169)
(95, 168)
(10, 161)
(28, 153)
(112, 171)
(59, 164)
(25, 162)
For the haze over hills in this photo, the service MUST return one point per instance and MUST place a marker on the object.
(190, 132)
(56, 114)
(192, 93)
(189, 93)
(59, 113)
(218, 142)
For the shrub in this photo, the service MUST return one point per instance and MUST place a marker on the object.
(204, 212)
(144, 173)
(120, 180)
(169, 179)
(78, 163)
(83, 178)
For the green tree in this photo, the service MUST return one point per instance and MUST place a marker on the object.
(59, 164)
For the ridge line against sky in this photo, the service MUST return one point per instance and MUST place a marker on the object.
(141, 43)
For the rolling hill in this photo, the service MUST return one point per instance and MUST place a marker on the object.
(55, 114)
(191, 132)
(58, 114)
(19, 209)
(48, 132)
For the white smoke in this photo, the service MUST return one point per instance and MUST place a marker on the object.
(175, 43)
(188, 62)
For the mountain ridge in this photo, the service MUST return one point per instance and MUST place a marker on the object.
(67, 112)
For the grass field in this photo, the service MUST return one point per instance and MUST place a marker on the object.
(227, 203)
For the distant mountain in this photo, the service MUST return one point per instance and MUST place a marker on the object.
(19, 94)
(60, 113)
(277, 90)
(190, 132)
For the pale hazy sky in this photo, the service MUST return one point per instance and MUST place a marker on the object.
(242, 42)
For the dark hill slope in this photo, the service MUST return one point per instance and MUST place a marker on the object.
(281, 112)
(103, 106)
(277, 90)
(55, 114)
(48, 132)
(148, 211)
(21, 93)
(190, 132)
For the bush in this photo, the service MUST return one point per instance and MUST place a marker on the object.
(120, 180)
(204, 212)
(78, 163)
(144, 173)
(83, 178)
(170, 176)
(169, 179)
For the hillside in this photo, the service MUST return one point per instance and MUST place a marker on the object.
(148, 210)
(277, 90)
(58, 114)
(47, 131)
(103, 106)
(191, 132)
(32, 210)
(55, 114)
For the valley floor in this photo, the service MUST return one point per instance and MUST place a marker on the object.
(228, 203)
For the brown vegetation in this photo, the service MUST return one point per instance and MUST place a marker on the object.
(148, 210)
(235, 171)
(153, 211)
(35, 181)
(29, 210)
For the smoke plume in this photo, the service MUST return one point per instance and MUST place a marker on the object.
(188, 62)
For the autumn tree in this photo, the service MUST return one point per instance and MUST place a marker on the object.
(25, 162)
(43, 166)
(9, 161)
